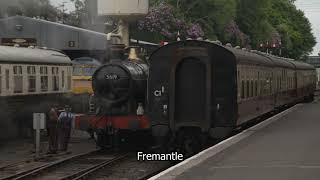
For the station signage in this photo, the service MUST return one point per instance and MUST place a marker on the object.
(23, 42)
(39, 121)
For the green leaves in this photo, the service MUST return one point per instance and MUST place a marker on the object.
(30, 8)
(249, 23)
(294, 28)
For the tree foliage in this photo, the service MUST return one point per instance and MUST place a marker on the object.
(30, 8)
(248, 23)
(162, 20)
(294, 28)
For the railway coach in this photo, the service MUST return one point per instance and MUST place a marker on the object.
(200, 90)
(83, 69)
(31, 80)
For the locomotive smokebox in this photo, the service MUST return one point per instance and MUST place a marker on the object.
(118, 81)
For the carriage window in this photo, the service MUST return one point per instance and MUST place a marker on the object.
(238, 83)
(88, 71)
(251, 93)
(62, 79)
(17, 79)
(248, 88)
(280, 83)
(242, 89)
(272, 85)
(69, 81)
(7, 79)
(77, 70)
(31, 78)
(256, 88)
(55, 78)
(0, 80)
(261, 87)
(44, 78)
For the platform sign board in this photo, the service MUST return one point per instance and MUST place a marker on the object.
(39, 121)
(123, 7)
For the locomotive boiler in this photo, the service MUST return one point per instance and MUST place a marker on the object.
(120, 99)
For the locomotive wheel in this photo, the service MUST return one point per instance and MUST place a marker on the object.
(190, 143)
(191, 146)
(101, 139)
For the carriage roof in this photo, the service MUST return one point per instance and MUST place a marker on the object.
(249, 57)
(86, 61)
(32, 56)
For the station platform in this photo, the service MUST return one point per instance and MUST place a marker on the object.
(284, 147)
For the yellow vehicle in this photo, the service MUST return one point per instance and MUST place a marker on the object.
(83, 69)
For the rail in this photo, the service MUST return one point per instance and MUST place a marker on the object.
(35, 170)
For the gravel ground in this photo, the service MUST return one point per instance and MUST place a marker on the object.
(22, 149)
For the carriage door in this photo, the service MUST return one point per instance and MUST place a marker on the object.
(7, 81)
(190, 89)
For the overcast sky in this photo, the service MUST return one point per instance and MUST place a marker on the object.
(312, 11)
(310, 7)
(69, 5)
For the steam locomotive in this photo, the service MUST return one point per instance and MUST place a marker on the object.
(201, 90)
(120, 88)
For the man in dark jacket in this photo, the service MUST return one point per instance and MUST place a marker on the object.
(65, 123)
(52, 129)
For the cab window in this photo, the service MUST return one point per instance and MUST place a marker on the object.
(77, 71)
(88, 71)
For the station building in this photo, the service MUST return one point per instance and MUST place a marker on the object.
(73, 41)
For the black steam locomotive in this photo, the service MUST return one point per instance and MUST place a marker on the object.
(200, 90)
(120, 98)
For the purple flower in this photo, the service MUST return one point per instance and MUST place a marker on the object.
(161, 19)
(195, 31)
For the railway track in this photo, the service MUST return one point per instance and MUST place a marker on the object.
(75, 167)
(12, 169)
(20, 168)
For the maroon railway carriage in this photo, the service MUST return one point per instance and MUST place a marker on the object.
(199, 90)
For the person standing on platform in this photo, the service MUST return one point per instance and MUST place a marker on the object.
(65, 123)
(52, 127)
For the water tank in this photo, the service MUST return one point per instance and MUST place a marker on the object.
(127, 9)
